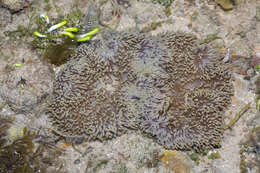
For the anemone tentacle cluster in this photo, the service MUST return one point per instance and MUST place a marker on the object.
(168, 86)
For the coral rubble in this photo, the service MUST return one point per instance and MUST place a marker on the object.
(168, 86)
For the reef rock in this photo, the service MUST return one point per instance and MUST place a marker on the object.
(15, 5)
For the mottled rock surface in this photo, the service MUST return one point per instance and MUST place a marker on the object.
(224, 30)
(5, 17)
(15, 5)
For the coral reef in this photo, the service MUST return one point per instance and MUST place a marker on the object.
(167, 86)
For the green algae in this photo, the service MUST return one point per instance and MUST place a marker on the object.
(244, 165)
(203, 153)
(150, 163)
(15, 156)
(56, 48)
(21, 154)
(237, 116)
(210, 38)
(258, 13)
(257, 84)
(24, 31)
(17, 34)
(167, 11)
(47, 6)
(165, 3)
(75, 17)
(122, 168)
(256, 129)
(249, 147)
(214, 155)
(3, 56)
(195, 157)
(36, 23)
(101, 165)
(58, 54)
(151, 27)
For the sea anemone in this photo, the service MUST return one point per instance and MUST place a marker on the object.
(168, 86)
(200, 89)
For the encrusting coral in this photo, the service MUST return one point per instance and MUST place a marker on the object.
(168, 86)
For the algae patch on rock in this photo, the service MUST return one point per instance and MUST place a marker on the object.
(167, 86)
(20, 153)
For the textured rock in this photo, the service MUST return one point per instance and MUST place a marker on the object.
(176, 161)
(15, 5)
(24, 86)
(5, 17)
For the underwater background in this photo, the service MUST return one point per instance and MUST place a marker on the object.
(129, 86)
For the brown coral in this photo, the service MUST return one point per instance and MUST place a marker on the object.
(167, 86)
